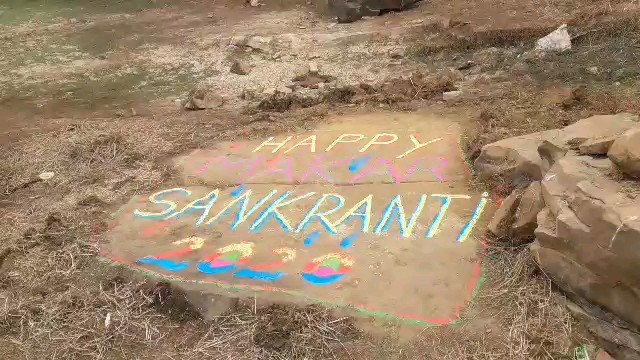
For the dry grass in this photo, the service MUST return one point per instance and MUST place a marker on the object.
(539, 325)
(57, 301)
(532, 319)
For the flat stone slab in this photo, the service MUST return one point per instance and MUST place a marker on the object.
(373, 212)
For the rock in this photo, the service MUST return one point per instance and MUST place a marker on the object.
(503, 217)
(517, 159)
(301, 71)
(254, 3)
(240, 68)
(352, 10)
(579, 281)
(613, 334)
(283, 90)
(597, 146)
(603, 355)
(313, 68)
(526, 216)
(558, 40)
(625, 152)
(598, 126)
(259, 43)
(589, 235)
(451, 95)
(202, 97)
(238, 40)
(550, 153)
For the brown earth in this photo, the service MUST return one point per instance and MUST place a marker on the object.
(89, 94)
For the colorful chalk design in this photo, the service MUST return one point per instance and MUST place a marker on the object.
(257, 271)
(226, 258)
(162, 258)
(326, 269)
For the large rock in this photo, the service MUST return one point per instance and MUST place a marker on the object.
(588, 235)
(625, 152)
(576, 279)
(517, 159)
(352, 10)
(503, 217)
(597, 146)
(587, 225)
(526, 216)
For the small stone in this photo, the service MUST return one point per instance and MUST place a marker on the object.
(238, 40)
(450, 95)
(259, 43)
(201, 97)
(397, 53)
(240, 68)
(313, 68)
(210, 15)
(417, 22)
(283, 90)
(594, 70)
(46, 175)
(254, 3)
(301, 71)
(558, 40)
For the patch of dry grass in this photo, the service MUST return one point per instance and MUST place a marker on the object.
(539, 324)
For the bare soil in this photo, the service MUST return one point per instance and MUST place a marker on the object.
(88, 91)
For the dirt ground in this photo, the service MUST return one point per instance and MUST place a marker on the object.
(89, 90)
